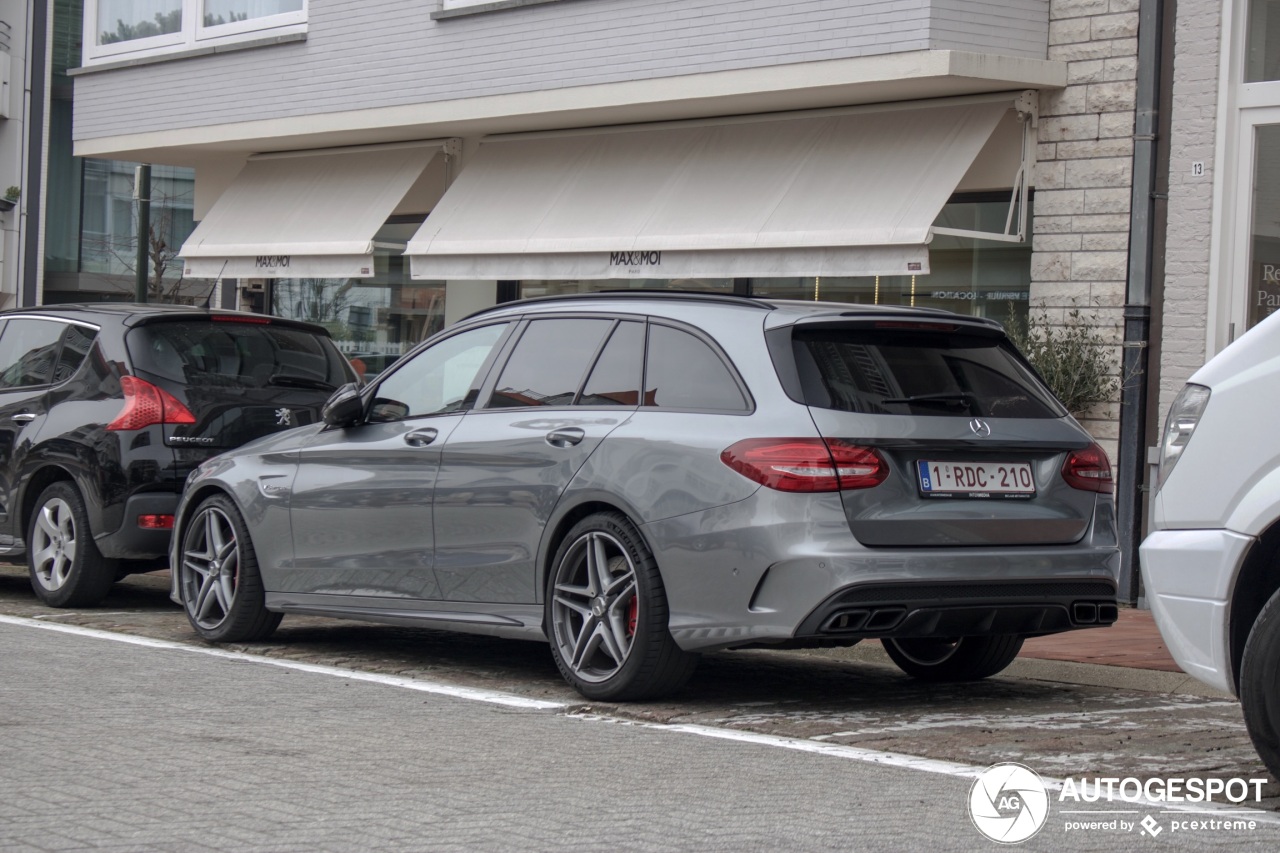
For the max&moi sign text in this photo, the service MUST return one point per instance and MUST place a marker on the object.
(635, 259)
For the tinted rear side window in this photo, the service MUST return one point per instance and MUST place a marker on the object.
(27, 351)
(549, 363)
(615, 380)
(254, 355)
(918, 373)
(76, 342)
(683, 372)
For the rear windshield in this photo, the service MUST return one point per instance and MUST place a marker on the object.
(221, 353)
(918, 373)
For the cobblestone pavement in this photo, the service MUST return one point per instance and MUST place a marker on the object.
(115, 747)
(1059, 729)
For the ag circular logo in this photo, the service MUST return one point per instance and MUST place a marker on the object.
(1008, 803)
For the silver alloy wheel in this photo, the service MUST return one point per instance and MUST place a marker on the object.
(595, 608)
(927, 652)
(210, 567)
(53, 544)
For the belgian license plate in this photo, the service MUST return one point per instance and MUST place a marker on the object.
(975, 479)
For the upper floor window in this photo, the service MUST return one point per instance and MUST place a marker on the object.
(1262, 37)
(116, 28)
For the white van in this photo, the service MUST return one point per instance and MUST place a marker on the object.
(1212, 562)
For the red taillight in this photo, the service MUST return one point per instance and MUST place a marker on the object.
(155, 522)
(1089, 470)
(806, 464)
(145, 404)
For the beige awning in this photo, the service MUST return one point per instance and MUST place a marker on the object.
(304, 215)
(818, 194)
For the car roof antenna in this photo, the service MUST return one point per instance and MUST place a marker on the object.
(208, 299)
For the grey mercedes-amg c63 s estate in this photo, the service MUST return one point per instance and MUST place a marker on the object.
(639, 477)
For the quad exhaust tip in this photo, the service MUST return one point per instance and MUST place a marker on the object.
(1091, 613)
(1084, 613)
(878, 619)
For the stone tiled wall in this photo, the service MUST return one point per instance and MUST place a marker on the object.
(1084, 175)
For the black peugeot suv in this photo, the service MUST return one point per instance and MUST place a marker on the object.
(105, 409)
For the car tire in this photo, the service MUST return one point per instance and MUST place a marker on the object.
(218, 580)
(607, 615)
(66, 567)
(955, 659)
(1260, 685)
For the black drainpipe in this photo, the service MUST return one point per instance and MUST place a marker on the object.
(32, 223)
(1143, 227)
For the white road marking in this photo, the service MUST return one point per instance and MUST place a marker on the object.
(850, 753)
(928, 765)
(474, 694)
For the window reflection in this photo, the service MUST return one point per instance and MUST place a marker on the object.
(372, 320)
(1262, 41)
(129, 20)
(1264, 266)
(219, 12)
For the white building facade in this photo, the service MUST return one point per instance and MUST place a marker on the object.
(386, 167)
(1224, 187)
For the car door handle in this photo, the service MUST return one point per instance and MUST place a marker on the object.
(23, 418)
(565, 437)
(420, 437)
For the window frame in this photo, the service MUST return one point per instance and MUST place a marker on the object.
(193, 34)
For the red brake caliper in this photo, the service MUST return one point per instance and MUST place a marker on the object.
(633, 613)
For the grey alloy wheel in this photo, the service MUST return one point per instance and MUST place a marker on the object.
(66, 567)
(607, 614)
(218, 577)
(595, 608)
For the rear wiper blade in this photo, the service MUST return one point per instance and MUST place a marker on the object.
(945, 397)
(300, 382)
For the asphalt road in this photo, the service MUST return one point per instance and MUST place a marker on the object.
(338, 736)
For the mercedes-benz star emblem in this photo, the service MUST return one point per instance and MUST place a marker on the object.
(980, 428)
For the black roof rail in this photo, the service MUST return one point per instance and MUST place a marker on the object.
(637, 293)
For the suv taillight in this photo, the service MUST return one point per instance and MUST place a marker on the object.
(145, 404)
(806, 464)
(1089, 470)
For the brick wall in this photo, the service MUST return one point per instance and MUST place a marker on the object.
(1084, 176)
(1195, 108)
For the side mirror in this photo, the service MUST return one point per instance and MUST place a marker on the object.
(344, 408)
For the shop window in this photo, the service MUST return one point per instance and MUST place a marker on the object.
(109, 229)
(982, 278)
(1264, 268)
(118, 27)
(372, 320)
